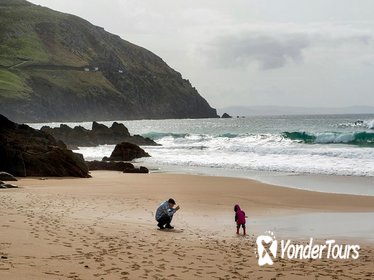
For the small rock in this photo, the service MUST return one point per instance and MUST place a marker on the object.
(108, 165)
(141, 169)
(226, 116)
(9, 186)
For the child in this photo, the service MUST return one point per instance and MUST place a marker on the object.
(239, 219)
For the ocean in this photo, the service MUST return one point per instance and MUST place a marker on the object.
(260, 147)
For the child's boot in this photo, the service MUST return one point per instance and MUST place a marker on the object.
(237, 230)
(244, 233)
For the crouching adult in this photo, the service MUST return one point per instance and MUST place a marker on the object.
(165, 212)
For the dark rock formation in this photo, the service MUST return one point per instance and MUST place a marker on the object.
(7, 186)
(109, 165)
(4, 176)
(59, 67)
(126, 152)
(141, 169)
(25, 151)
(125, 167)
(99, 135)
(226, 116)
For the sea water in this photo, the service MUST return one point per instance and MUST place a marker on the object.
(287, 150)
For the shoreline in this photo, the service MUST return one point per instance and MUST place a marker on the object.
(254, 187)
(323, 183)
(104, 227)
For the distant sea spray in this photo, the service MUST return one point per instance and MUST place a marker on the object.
(358, 123)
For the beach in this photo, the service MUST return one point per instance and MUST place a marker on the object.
(104, 228)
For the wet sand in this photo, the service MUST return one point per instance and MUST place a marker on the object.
(104, 228)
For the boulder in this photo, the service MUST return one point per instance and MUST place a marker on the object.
(108, 165)
(4, 176)
(126, 152)
(226, 116)
(25, 151)
(141, 169)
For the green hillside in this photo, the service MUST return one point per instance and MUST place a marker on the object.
(59, 67)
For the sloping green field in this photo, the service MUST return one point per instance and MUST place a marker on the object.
(13, 85)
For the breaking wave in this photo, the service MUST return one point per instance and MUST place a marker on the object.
(353, 138)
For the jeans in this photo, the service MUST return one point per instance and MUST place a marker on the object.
(164, 220)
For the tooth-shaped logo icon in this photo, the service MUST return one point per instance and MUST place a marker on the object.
(266, 248)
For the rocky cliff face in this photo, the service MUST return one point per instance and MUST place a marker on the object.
(28, 152)
(58, 67)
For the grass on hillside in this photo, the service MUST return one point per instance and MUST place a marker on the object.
(19, 38)
(26, 47)
(78, 82)
(13, 85)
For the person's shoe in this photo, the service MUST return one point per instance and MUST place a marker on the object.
(161, 226)
(169, 227)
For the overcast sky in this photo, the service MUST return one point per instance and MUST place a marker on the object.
(245, 52)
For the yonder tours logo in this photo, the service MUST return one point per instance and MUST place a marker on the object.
(267, 249)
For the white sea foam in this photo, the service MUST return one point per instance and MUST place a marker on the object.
(359, 123)
(95, 153)
(263, 152)
(269, 154)
(369, 124)
(330, 144)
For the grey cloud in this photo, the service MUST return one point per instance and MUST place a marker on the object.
(271, 50)
(268, 51)
(355, 39)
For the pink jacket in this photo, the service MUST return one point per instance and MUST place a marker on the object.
(239, 215)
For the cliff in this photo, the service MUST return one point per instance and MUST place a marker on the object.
(59, 67)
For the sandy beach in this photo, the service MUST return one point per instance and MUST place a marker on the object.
(104, 228)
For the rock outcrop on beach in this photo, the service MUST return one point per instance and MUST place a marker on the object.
(141, 169)
(126, 152)
(25, 151)
(125, 167)
(226, 116)
(108, 165)
(59, 67)
(98, 135)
